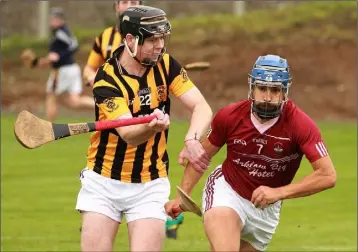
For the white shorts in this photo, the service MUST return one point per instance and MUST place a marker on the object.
(114, 198)
(67, 78)
(258, 225)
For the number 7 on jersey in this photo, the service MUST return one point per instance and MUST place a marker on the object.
(260, 148)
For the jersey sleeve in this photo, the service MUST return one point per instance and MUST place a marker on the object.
(68, 39)
(218, 130)
(109, 99)
(179, 82)
(96, 59)
(309, 139)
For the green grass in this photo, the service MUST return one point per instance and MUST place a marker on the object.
(334, 19)
(257, 22)
(39, 190)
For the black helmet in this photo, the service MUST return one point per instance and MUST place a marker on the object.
(143, 22)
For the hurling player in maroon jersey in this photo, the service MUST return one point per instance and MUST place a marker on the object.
(266, 137)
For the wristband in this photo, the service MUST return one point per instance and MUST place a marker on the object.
(34, 62)
(190, 139)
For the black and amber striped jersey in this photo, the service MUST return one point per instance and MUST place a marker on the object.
(116, 94)
(104, 46)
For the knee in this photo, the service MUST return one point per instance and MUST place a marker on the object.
(218, 244)
(225, 247)
(221, 244)
(222, 229)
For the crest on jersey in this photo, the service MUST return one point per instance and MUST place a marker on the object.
(110, 104)
(162, 93)
(278, 148)
(184, 75)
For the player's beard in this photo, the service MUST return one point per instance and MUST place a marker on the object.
(267, 106)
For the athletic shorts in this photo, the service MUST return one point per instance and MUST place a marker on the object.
(65, 79)
(258, 225)
(116, 199)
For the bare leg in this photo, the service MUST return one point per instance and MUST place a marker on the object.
(246, 247)
(98, 232)
(51, 106)
(146, 234)
(223, 227)
(77, 101)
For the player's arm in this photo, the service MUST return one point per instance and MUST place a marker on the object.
(94, 61)
(89, 73)
(56, 51)
(46, 61)
(191, 176)
(323, 177)
(211, 144)
(201, 114)
(138, 134)
(42, 62)
(308, 138)
(184, 89)
(112, 105)
(30, 59)
(200, 120)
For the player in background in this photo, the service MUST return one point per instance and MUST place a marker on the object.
(106, 43)
(266, 137)
(66, 73)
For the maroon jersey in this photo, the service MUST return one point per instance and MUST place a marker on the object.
(258, 156)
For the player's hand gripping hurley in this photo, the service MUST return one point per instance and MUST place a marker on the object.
(32, 132)
(188, 204)
(183, 202)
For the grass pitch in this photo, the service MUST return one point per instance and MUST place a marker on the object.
(39, 190)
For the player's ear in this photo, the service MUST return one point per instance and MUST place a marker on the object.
(130, 40)
(285, 95)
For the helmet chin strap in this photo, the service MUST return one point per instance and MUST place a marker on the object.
(150, 62)
(132, 54)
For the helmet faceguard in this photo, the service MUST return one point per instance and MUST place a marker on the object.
(270, 74)
(144, 22)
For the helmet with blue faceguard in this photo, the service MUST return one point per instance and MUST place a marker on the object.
(270, 73)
